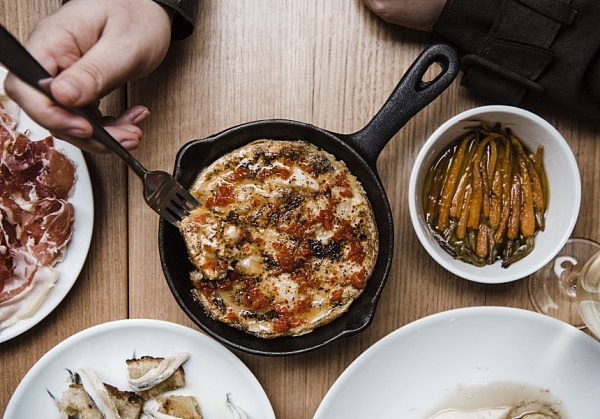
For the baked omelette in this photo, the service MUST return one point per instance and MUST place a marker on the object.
(284, 241)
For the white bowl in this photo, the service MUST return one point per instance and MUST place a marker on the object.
(564, 185)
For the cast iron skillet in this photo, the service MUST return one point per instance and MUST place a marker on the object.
(359, 151)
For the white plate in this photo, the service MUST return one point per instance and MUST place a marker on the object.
(409, 372)
(77, 250)
(211, 372)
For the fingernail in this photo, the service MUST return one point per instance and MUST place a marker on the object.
(134, 130)
(143, 114)
(66, 89)
(130, 144)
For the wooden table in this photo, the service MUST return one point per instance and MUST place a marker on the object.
(327, 62)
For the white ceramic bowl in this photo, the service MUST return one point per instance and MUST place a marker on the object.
(564, 185)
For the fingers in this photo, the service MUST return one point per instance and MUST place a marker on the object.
(119, 50)
(45, 112)
(128, 136)
(73, 128)
(90, 48)
(413, 14)
(133, 116)
(97, 72)
(124, 129)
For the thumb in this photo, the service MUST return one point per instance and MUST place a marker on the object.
(97, 72)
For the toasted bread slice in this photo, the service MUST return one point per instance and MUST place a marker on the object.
(179, 406)
(75, 402)
(137, 367)
(128, 403)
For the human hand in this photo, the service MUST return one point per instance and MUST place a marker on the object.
(90, 47)
(412, 14)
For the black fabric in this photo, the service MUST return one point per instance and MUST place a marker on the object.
(516, 49)
(560, 11)
(184, 17)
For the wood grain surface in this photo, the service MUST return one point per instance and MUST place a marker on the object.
(330, 63)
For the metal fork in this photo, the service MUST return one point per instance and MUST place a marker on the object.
(162, 192)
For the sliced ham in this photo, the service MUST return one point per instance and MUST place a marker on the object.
(24, 267)
(57, 176)
(5, 260)
(27, 161)
(30, 297)
(9, 112)
(47, 229)
(36, 220)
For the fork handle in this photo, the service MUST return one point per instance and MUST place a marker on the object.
(20, 62)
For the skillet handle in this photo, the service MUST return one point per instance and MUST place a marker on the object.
(410, 96)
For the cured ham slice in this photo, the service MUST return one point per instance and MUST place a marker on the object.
(36, 219)
(9, 111)
(37, 161)
(46, 230)
(5, 260)
(26, 290)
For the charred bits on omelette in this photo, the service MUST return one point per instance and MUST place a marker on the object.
(285, 239)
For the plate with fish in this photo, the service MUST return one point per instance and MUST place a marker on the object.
(492, 362)
(114, 354)
(45, 183)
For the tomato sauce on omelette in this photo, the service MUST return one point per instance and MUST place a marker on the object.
(284, 241)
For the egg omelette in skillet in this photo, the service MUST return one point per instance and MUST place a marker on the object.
(284, 241)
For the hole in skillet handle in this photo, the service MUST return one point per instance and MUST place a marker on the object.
(410, 96)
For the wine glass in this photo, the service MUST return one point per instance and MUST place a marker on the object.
(568, 287)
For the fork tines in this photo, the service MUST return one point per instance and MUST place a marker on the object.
(179, 206)
(167, 197)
